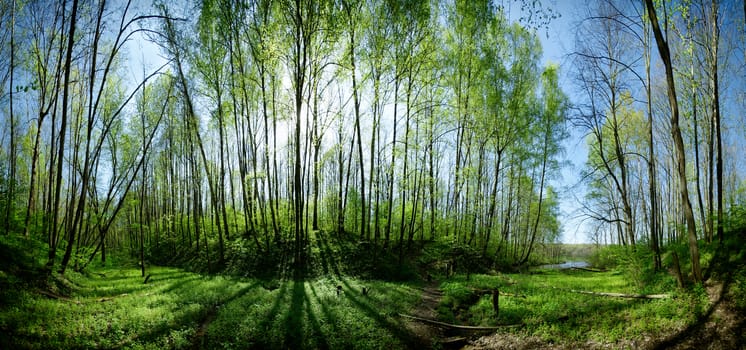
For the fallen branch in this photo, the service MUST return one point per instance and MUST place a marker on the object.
(452, 341)
(112, 297)
(51, 295)
(486, 291)
(586, 269)
(455, 326)
(616, 295)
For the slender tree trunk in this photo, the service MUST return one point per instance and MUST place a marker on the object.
(10, 199)
(716, 114)
(678, 142)
(142, 224)
(707, 234)
(652, 181)
(405, 175)
(340, 180)
(356, 103)
(221, 154)
(390, 171)
(61, 148)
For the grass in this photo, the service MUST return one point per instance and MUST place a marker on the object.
(557, 315)
(112, 308)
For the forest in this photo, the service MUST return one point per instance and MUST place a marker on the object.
(372, 174)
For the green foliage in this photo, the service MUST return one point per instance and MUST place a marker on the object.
(636, 265)
(21, 266)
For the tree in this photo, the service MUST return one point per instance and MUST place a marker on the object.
(665, 54)
(552, 133)
(173, 46)
(354, 21)
(604, 76)
(53, 230)
(10, 198)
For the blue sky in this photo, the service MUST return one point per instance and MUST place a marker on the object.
(557, 42)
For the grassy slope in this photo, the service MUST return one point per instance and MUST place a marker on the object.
(112, 308)
(560, 317)
(557, 315)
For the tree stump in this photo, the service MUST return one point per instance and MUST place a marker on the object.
(496, 301)
(677, 269)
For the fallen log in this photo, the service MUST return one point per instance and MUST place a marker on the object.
(52, 295)
(455, 326)
(616, 295)
(586, 269)
(489, 291)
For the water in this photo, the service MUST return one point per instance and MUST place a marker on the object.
(566, 265)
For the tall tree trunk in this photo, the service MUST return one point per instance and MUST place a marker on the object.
(61, 148)
(705, 226)
(716, 114)
(221, 154)
(352, 24)
(10, 199)
(340, 180)
(652, 181)
(405, 176)
(390, 171)
(678, 142)
(702, 217)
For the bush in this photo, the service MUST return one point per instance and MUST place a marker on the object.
(606, 257)
(636, 265)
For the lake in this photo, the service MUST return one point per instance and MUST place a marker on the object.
(565, 265)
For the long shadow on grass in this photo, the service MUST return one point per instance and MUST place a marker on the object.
(320, 337)
(103, 289)
(395, 328)
(328, 314)
(295, 332)
(185, 320)
(294, 318)
(326, 254)
(180, 283)
(211, 313)
(265, 326)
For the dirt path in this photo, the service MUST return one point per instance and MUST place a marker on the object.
(199, 339)
(722, 328)
(427, 308)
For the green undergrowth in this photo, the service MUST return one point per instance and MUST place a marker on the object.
(113, 308)
(542, 303)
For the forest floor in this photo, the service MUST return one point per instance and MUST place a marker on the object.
(707, 316)
(115, 307)
(112, 308)
(722, 327)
